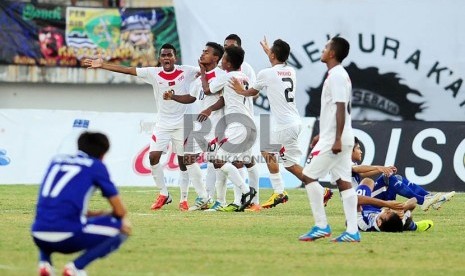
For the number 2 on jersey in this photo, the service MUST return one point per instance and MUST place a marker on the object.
(288, 91)
(58, 184)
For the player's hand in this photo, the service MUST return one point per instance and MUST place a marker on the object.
(237, 86)
(93, 63)
(387, 171)
(314, 141)
(395, 205)
(203, 116)
(168, 95)
(203, 69)
(265, 46)
(126, 227)
(337, 146)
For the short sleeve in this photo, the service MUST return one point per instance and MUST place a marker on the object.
(338, 88)
(363, 190)
(260, 82)
(144, 74)
(102, 180)
(218, 83)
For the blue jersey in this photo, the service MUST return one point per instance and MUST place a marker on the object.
(66, 190)
(366, 220)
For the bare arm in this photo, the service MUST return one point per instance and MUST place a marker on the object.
(368, 170)
(366, 200)
(239, 88)
(98, 63)
(207, 112)
(184, 99)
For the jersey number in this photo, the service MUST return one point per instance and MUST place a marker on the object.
(70, 171)
(246, 85)
(288, 92)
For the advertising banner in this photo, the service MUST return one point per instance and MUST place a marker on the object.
(406, 61)
(60, 36)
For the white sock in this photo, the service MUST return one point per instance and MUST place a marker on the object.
(243, 173)
(159, 178)
(349, 202)
(210, 180)
(195, 175)
(277, 182)
(220, 186)
(184, 185)
(235, 177)
(253, 181)
(237, 195)
(315, 194)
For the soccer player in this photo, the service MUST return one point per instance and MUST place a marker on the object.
(233, 40)
(332, 148)
(169, 122)
(389, 184)
(233, 150)
(208, 62)
(63, 224)
(280, 83)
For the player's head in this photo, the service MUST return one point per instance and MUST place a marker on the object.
(212, 53)
(167, 57)
(357, 151)
(280, 50)
(232, 58)
(232, 40)
(336, 49)
(95, 144)
(389, 221)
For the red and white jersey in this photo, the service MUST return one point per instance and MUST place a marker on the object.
(280, 84)
(169, 113)
(336, 88)
(234, 103)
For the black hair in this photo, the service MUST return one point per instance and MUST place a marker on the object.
(392, 224)
(234, 37)
(235, 56)
(218, 50)
(281, 49)
(95, 144)
(356, 140)
(168, 46)
(341, 47)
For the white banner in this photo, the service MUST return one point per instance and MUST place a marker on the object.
(30, 138)
(407, 58)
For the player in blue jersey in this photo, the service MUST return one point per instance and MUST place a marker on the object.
(388, 184)
(63, 222)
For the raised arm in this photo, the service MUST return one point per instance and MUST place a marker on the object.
(98, 63)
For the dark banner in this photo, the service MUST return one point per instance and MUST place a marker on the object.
(426, 153)
(47, 35)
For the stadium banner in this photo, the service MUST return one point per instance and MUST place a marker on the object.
(60, 36)
(426, 153)
(406, 62)
(29, 139)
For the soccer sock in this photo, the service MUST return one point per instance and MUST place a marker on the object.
(159, 178)
(184, 185)
(237, 195)
(415, 187)
(243, 173)
(277, 182)
(403, 190)
(253, 181)
(44, 257)
(315, 194)
(101, 250)
(210, 180)
(235, 177)
(349, 203)
(195, 175)
(220, 185)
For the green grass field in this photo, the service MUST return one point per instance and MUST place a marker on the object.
(170, 242)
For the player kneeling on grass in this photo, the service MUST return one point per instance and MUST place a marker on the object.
(63, 224)
(386, 216)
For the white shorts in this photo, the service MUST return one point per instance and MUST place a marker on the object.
(338, 165)
(161, 138)
(288, 138)
(236, 146)
(209, 144)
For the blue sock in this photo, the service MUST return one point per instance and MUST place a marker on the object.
(411, 227)
(99, 251)
(415, 188)
(396, 183)
(44, 257)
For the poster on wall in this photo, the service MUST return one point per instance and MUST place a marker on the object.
(60, 36)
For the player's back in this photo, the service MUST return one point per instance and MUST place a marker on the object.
(66, 189)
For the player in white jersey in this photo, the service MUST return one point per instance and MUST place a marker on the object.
(203, 139)
(169, 121)
(240, 132)
(235, 40)
(280, 84)
(333, 148)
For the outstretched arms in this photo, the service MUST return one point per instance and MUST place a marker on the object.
(98, 63)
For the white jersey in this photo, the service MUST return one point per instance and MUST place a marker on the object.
(234, 103)
(280, 84)
(336, 88)
(169, 113)
(250, 73)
